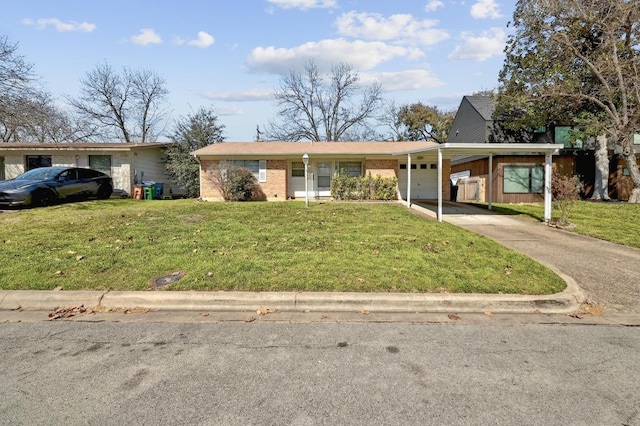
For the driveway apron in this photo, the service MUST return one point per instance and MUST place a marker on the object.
(608, 274)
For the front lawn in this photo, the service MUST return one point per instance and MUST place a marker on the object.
(279, 246)
(611, 221)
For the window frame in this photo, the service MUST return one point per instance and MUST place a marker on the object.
(535, 183)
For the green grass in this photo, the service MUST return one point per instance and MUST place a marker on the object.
(365, 247)
(611, 221)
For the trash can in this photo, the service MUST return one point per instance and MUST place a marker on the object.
(158, 187)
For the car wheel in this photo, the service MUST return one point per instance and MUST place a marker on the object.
(43, 198)
(104, 192)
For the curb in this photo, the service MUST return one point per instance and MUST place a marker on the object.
(565, 302)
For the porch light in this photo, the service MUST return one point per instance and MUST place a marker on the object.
(305, 160)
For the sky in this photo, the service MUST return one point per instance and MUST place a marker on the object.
(231, 55)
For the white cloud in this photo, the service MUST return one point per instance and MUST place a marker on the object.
(204, 40)
(146, 37)
(304, 4)
(480, 48)
(484, 9)
(244, 96)
(400, 27)
(361, 55)
(433, 5)
(60, 26)
(403, 80)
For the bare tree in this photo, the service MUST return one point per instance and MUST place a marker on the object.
(318, 107)
(127, 106)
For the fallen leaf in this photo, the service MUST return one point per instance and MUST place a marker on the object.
(489, 314)
(205, 314)
(578, 315)
(364, 312)
(537, 311)
(250, 319)
(80, 257)
(16, 308)
(58, 273)
(59, 288)
(324, 316)
(453, 317)
(264, 310)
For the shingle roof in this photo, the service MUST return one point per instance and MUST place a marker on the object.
(311, 148)
(80, 145)
(483, 104)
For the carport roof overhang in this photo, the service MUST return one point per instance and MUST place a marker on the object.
(449, 150)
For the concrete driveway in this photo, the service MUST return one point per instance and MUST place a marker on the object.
(608, 274)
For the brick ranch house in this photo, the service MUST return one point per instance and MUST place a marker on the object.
(279, 168)
(422, 168)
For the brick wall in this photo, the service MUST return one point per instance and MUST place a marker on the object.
(384, 168)
(275, 188)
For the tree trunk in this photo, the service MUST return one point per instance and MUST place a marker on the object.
(634, 172)
(601, 183)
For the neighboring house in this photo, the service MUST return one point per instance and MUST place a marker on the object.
(280, 171)
(128, 164)
(517, 178)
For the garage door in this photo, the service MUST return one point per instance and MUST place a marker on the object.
(424, 181)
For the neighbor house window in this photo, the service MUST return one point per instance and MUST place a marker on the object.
(36, 161)
(297, 169)
(101, 163)
(257, 167)
(523, 179)
(350, 168)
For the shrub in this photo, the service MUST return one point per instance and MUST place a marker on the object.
(566, 191)
(363, 187)
(235, 183)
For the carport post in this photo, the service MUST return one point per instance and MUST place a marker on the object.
(490, 180)
(547, 186)
(439, 185)
(408, 180)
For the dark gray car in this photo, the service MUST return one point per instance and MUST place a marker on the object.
(45, 186)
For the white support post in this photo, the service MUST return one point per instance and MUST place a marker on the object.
(547, 186)
(408, 180)
(490, 180)
(439, 185)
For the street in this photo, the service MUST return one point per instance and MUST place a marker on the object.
(240, 373)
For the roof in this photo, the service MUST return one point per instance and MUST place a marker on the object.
(84, 146)
(483, 104)
(282, 149)
(449, 150)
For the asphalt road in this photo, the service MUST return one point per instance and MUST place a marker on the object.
(236, 373)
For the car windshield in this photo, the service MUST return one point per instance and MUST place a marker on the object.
(39, 174)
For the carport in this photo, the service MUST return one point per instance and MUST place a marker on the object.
(450, 150)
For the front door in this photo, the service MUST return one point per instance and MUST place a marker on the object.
(324, 179)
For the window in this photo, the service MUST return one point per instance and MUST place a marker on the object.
(297, 169)
(101, 163)
(257, 167)
(562, 134)
(324, 175)
(423, 167)
(404, 166)
(523, 179)
(350, 168)
(36, 161)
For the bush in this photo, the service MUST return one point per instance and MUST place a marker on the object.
(566, 191)
(235, 183)
(363, 187)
